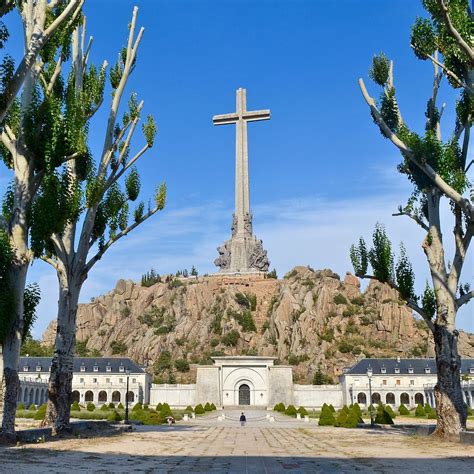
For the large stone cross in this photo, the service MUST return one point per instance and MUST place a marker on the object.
(240, 118)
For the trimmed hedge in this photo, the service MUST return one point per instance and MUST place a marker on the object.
(280, 407)
(420, 411)
(383, 416)
(302, 411)
(20, 406)
(90, 406)
(290, 410)
(207, 407)
(75, 407)
(114, 416)
(403, 410)
(213, 407)
(137, 406)
(112, 405)
(32, 407)
(326, 418)
(41, 412)
(104, 408)
(199, 409)
(189, 409)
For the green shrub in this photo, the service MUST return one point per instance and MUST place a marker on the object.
(403, 410)
(207, 407)
(32, 407)
(420, 411)
(165, 410)
(432, 415)
(353, 419)
(112, 405)
(290, 410)
(199, 409)
(189, 409)
(182, 365)
(332, 408)
(114, 417)
(159, 406)
(90, 406)
(89, 415)
(302, 411)
(41, 412)
(326, 418)
(355, 407)
(20, 406)
(382, 416)
(242, 300)
(341, 419)
(390, 411)
(25, 414)
(469, 410)
(280, 407)
(427, 408)
(137, 406)
(231, 338)
(75, 406)
(340, 299)
(213, 407)
(104, 407)
(120, 406)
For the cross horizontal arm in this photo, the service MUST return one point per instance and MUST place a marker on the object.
(254, 115)
(225, 119)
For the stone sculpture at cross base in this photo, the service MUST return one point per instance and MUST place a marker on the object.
(243, 252)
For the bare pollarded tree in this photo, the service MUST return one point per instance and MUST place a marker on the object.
(439, 171)
(41, 20)
(31, 145)
(91, 211)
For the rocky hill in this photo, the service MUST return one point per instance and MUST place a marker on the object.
(307, 319)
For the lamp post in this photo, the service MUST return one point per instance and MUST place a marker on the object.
(127, 372)
(371, 408)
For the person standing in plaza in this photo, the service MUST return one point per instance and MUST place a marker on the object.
(242, 419)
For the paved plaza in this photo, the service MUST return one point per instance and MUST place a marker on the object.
(209, 445)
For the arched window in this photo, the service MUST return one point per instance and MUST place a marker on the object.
(75, 396)
(102, 396)
(390, 398)
(419, 398)
(375, 397)
(89, 396)
(130, 397)
(116, 396)
(362, 398)
(405, 399)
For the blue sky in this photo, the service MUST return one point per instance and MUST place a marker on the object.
(321, 174)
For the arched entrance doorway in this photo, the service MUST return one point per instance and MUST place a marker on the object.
(244, 394)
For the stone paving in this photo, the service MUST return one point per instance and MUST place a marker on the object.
(208, 445)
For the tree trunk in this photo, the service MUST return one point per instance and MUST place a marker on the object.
(60, 382)
(11, 355)
(452, 413)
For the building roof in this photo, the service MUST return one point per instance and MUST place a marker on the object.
(403, 366)
(115, 363)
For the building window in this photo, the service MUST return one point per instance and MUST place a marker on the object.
(25, 368)
(83, 368)
(410, 370)
(120, 380)
(107, 380)
(412, 382)
(398, 382)
(134, 380)
(471, 370)
(108, 368)
(427, 370)
(94, 380)
(121, 368)
(96, 368)
(383, 370)
(38, 368)
(81, 380)
(397, 370)
(384, 382)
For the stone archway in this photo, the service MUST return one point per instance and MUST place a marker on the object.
(75, 396)
(102, 396)
(362, 398)
(244, 394)
(419, 399)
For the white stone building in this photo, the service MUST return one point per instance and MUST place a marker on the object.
(397, 381)
(96, 379)
(245, 380)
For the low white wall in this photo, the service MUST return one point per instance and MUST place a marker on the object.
(176, 395)
(314, 396)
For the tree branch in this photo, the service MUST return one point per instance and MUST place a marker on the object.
(455, 33)
(464, 299)
(413, 217)
(444, 187)
(121, 234)
(38, 40)
(128, 165)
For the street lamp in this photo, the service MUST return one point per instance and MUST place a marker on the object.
(127, 372)
(371, 408)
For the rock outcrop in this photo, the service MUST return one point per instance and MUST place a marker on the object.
(308, 319)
